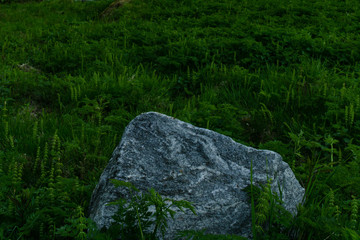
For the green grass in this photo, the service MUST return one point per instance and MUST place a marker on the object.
(278, 75)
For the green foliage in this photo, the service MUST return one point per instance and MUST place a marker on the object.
(279, 75)
(201, 235)
(134, 218)
(269, 219)
(76, 227)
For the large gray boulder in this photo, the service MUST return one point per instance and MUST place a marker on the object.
(184, 162)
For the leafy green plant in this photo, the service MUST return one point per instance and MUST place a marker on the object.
(134, 217)
(280, 75)
(201, 235)
(269, 219)
(76, 227)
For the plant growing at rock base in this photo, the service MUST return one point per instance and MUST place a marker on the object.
(135, 217)
(201, 235)
(269, 219)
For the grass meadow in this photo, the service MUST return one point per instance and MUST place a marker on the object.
(271, 74)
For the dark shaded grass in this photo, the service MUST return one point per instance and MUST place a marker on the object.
(271, 74)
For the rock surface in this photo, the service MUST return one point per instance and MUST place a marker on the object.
(184, 162)
(112, 7)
